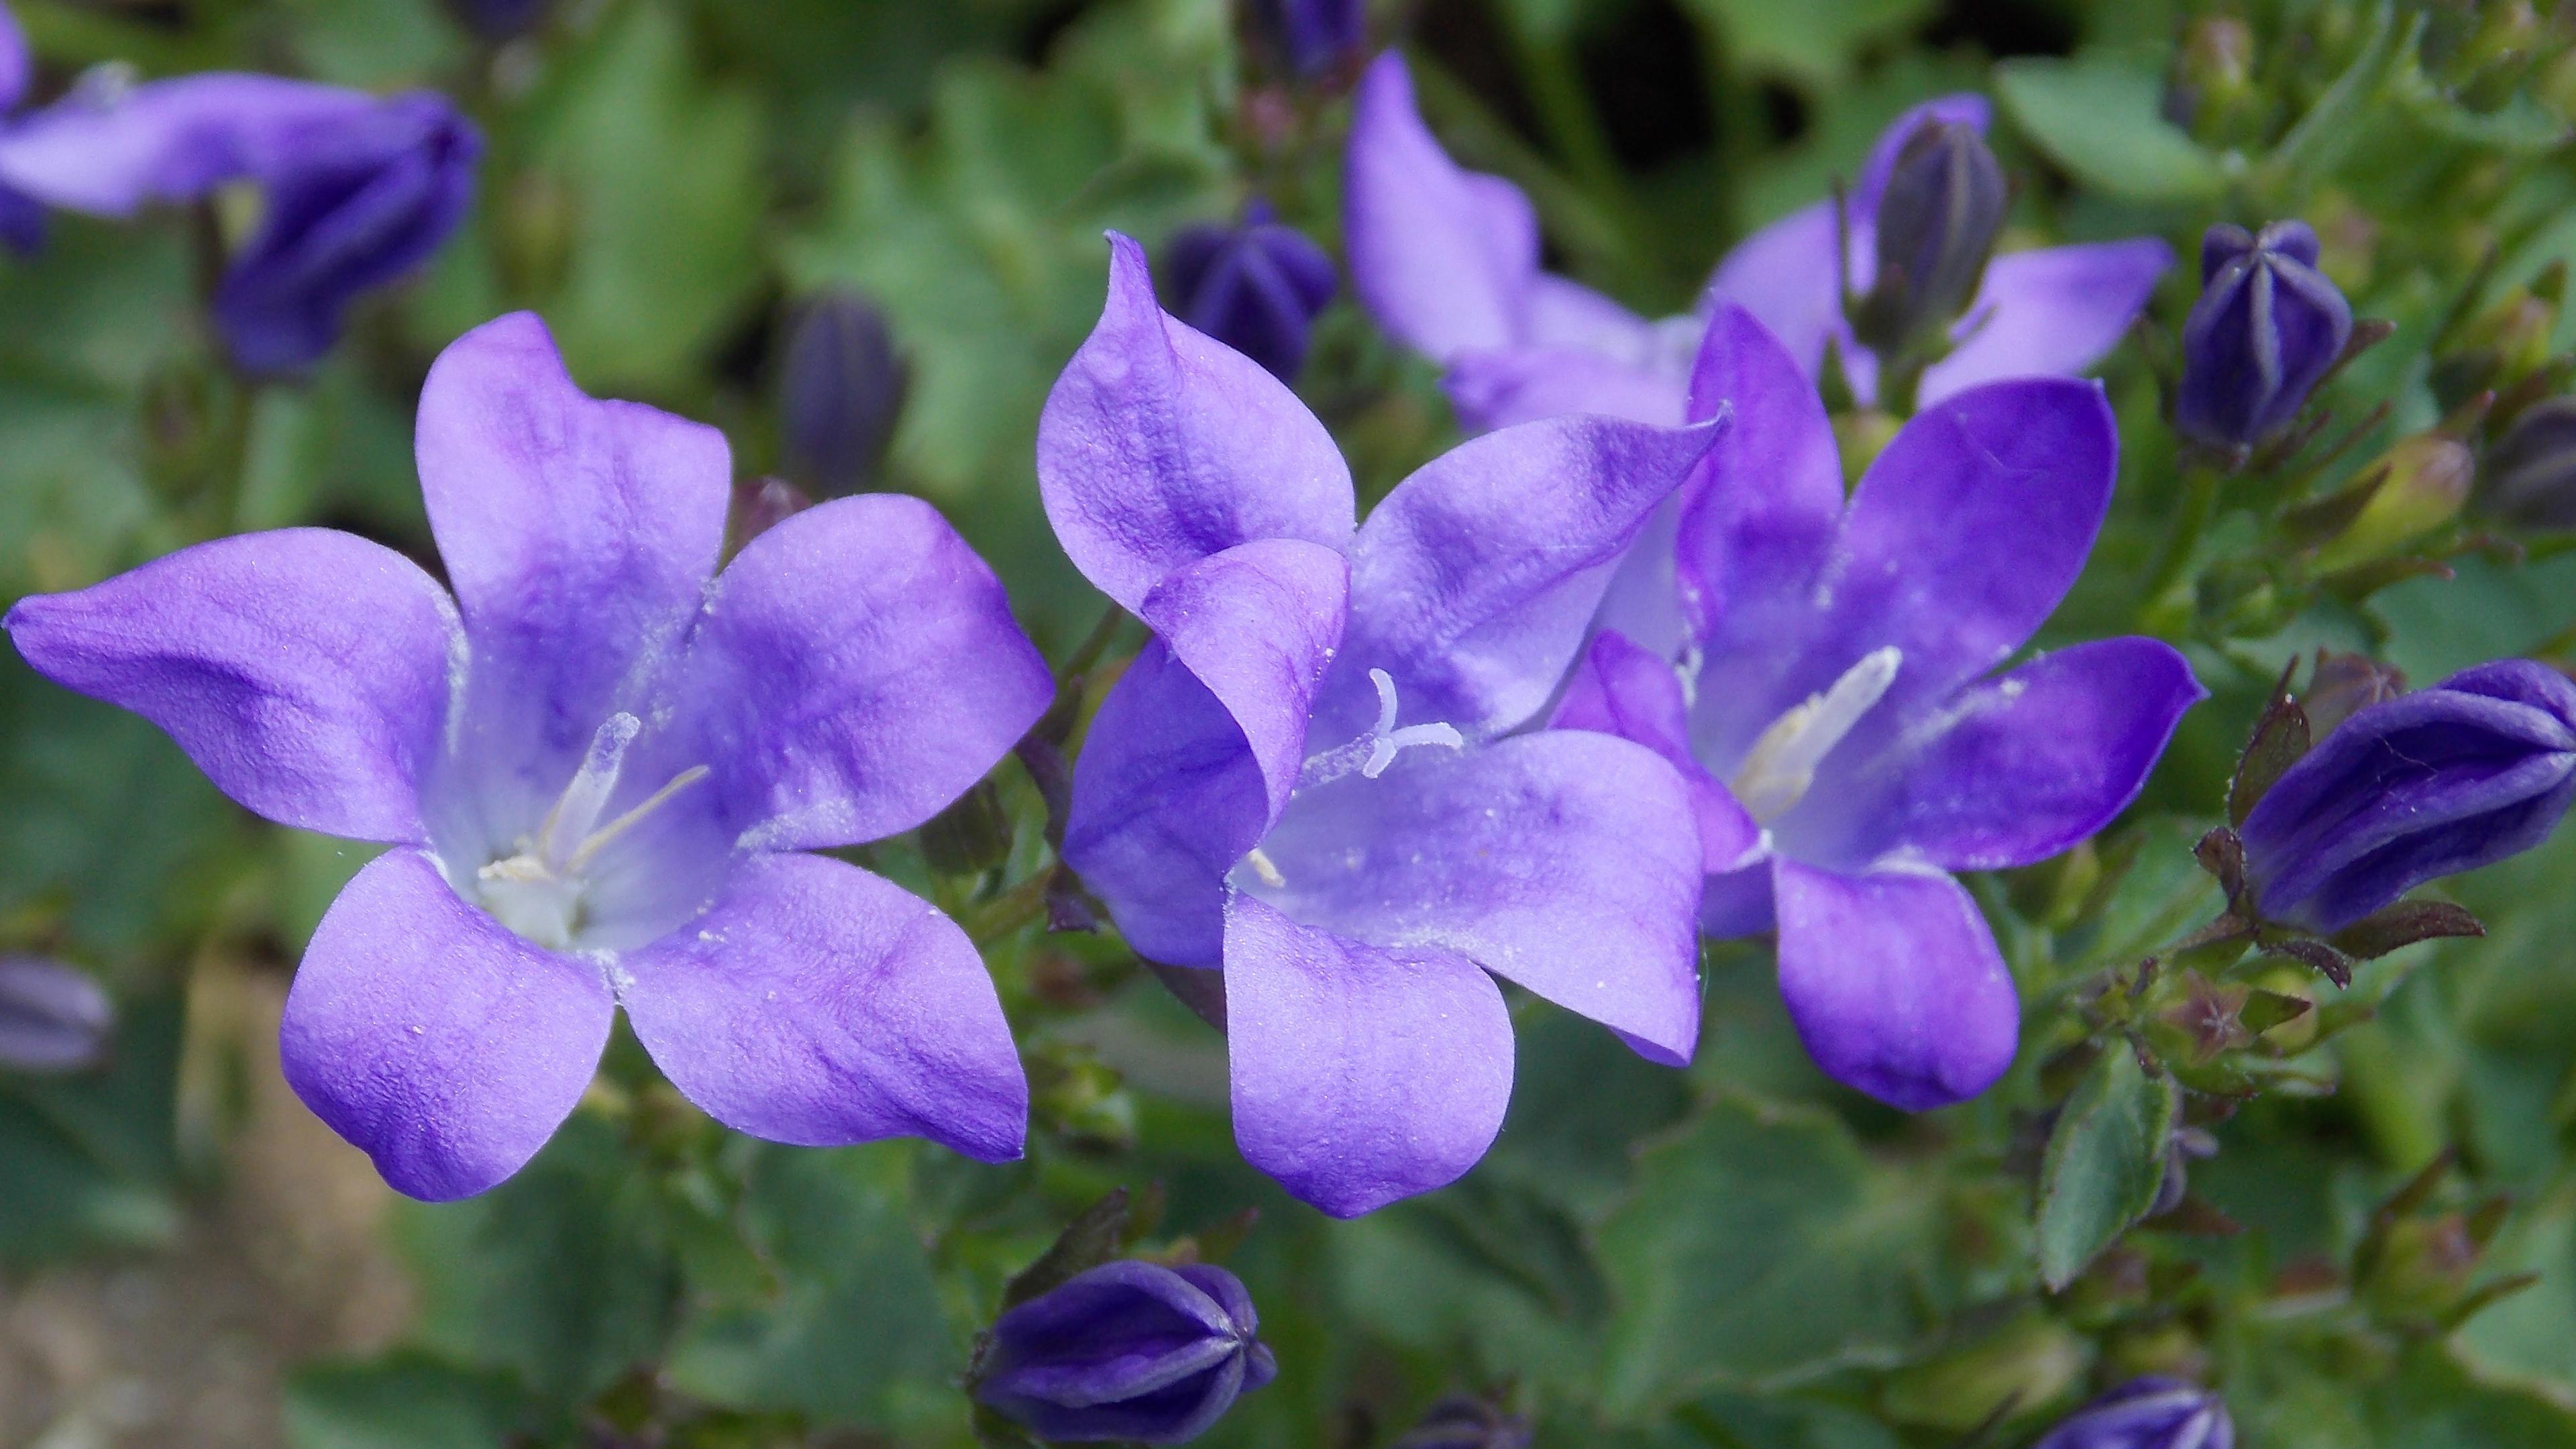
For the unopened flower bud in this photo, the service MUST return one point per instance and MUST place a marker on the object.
(2147, 1413)
(2530, 475)
(2425, 482)
(1256, 287)
(498, 20)
(2029, 1361)
(1311, 37)
(1129, 1350)
(1462, 1421)
(2267, 328)
(2213, 77)
(841, 385)
(1937, 223)
(52, 1018)
(761, 504)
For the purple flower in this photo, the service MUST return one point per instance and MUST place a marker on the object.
(1128, 1350)
(22, 218)
(2479, 767)
(1305, 777)
(601, 767)
(1256, 287)
(360, 191)
(52, 1018)
(1464, 1422)
(1829, 699)
(499, 19)
(1446, 260)
(1312, 36)
(2530, 474)
(1938, 216)
(2152, 1412)
(2267, 328)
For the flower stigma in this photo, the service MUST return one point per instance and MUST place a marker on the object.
(1782, 763)
(537, 892)
(1373, 751)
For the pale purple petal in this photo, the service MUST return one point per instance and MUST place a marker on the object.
(1563, 313)
(1501, 387)
(440, 1044)
(856, 669)
(1784, 275)
(820, 1005)
(172, 140)
(1443, 258)
(1361, 1074)
(1258, 624)
(17, 65)
(305, 671)
(1160, 446)
(1620, 689)
(1643, 599)
(2052, 312)
(1894, 983)
(1567, 861)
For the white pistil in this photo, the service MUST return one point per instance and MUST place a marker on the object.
(537, 892)
(1372, 752)
(1782, 763)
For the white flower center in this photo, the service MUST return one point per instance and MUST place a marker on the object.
(537, 892)
(1782, 763)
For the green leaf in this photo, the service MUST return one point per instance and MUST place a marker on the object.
(1810, 43)
(91, 1161)
(2105, 1160)
(2098, 115)
(405, 1400)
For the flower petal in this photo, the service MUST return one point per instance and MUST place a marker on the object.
(17, 64)
(1160, 446)
(172, 140)
(2050, 313)
(1361, 1074)
(858, 669)
(1784, 275)
(1567, 861)
(1258, 625)
(820, 1005)
(1894, 983)
(1620, 689)
(427, 1034)
(305, 671)
(1496, 388)
(1443, 258)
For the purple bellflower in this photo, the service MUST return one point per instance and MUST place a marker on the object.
(22, 217)
(601, 766)
(1129, 1350)
(1831, 707)
(2267, 328)
(2479, 767)
(2152, 1412)
(359, 191)
(1447, 261)
(1308, 777)
(1256, 287)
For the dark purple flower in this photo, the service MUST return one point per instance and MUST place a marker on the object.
(359, 191)
(2152, 1412)
(498, 20)
(52, 1018)
(1312, 36)
(2530, 475)
(1465, 1422)
(1309, 777)
(1827, 694)
(2479, 767)
(1256, 287)
(1937, 220)
(602, 768)
(841, 386)
(2267, 328)
(1128, 1350)
(22, 218)
(1447, 261)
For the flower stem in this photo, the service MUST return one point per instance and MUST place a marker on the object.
(2199, 504)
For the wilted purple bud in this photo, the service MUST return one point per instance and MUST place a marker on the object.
(1464, 1422)
(1312, 36)
(1937, 223)
(2267, 328)
(52, 1018)
(2531, 473)
(1255, 287)
(2152, 1412)
(2447, 779)
(498, 20)
(1129, 1350)
(841, 386)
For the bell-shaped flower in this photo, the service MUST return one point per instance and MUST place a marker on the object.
(1256, 287)
(2267, 329)
(1131, 1351)
(2150, 1412)
(1309, 778)
(1447, 261)
(358, 190)
(2479, 767)
(1832, 707)
(601, 766)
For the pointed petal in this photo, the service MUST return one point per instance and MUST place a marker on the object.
(1501, 387)
(1620, 689)
(1160, 446)
(172, 140)
(1784, 275)
(1361, 1074)
(424, 1032)
(1443, 258)
(1258, 625)
(820, 1005)
(305, 671)
(1894, 983)
(2052, 312)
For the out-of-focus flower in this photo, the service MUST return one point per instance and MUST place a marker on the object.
(840, 388)
(602, 772)
(1828, 699)
(2153, 1412)
(1937, 222)
(2267, 328)
(2530, 475)
(1309, 778)
(52, 1018)
(1464, 1422)
(2418, 485)
(22, 217)
(498, 20)
(1128, 1350)
(2479, 767)
(1255, 287)
(1312, 36)
(1447, 261)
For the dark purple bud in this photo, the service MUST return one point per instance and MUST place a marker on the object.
(2267, 328)
(1463, 1422)
(498, 20)
(1255, 287)
(1312, 36)
(2447, 779)
(1937, 223)
(2530, 474)
(2152, 1412)
(1129, 1350)
(52, 1018)
(22, 222)
(367, 202)
(841, 386)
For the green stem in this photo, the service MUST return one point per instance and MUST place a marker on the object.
(2199, 505)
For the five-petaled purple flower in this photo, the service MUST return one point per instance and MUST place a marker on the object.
(360, 190)
(1128, 1350)
(2479, 767)
(1308, 777)
(1256, 287)
(601, 766)
(1447, 260)
(1831, 706)
(2267, 328)
(2150, 1412)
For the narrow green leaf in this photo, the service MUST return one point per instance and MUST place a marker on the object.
(2104, 1163)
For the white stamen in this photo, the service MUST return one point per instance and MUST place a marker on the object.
(570, 822)
(1782, 763)
(1262, 867)
(1372, 752)
(537, 891)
